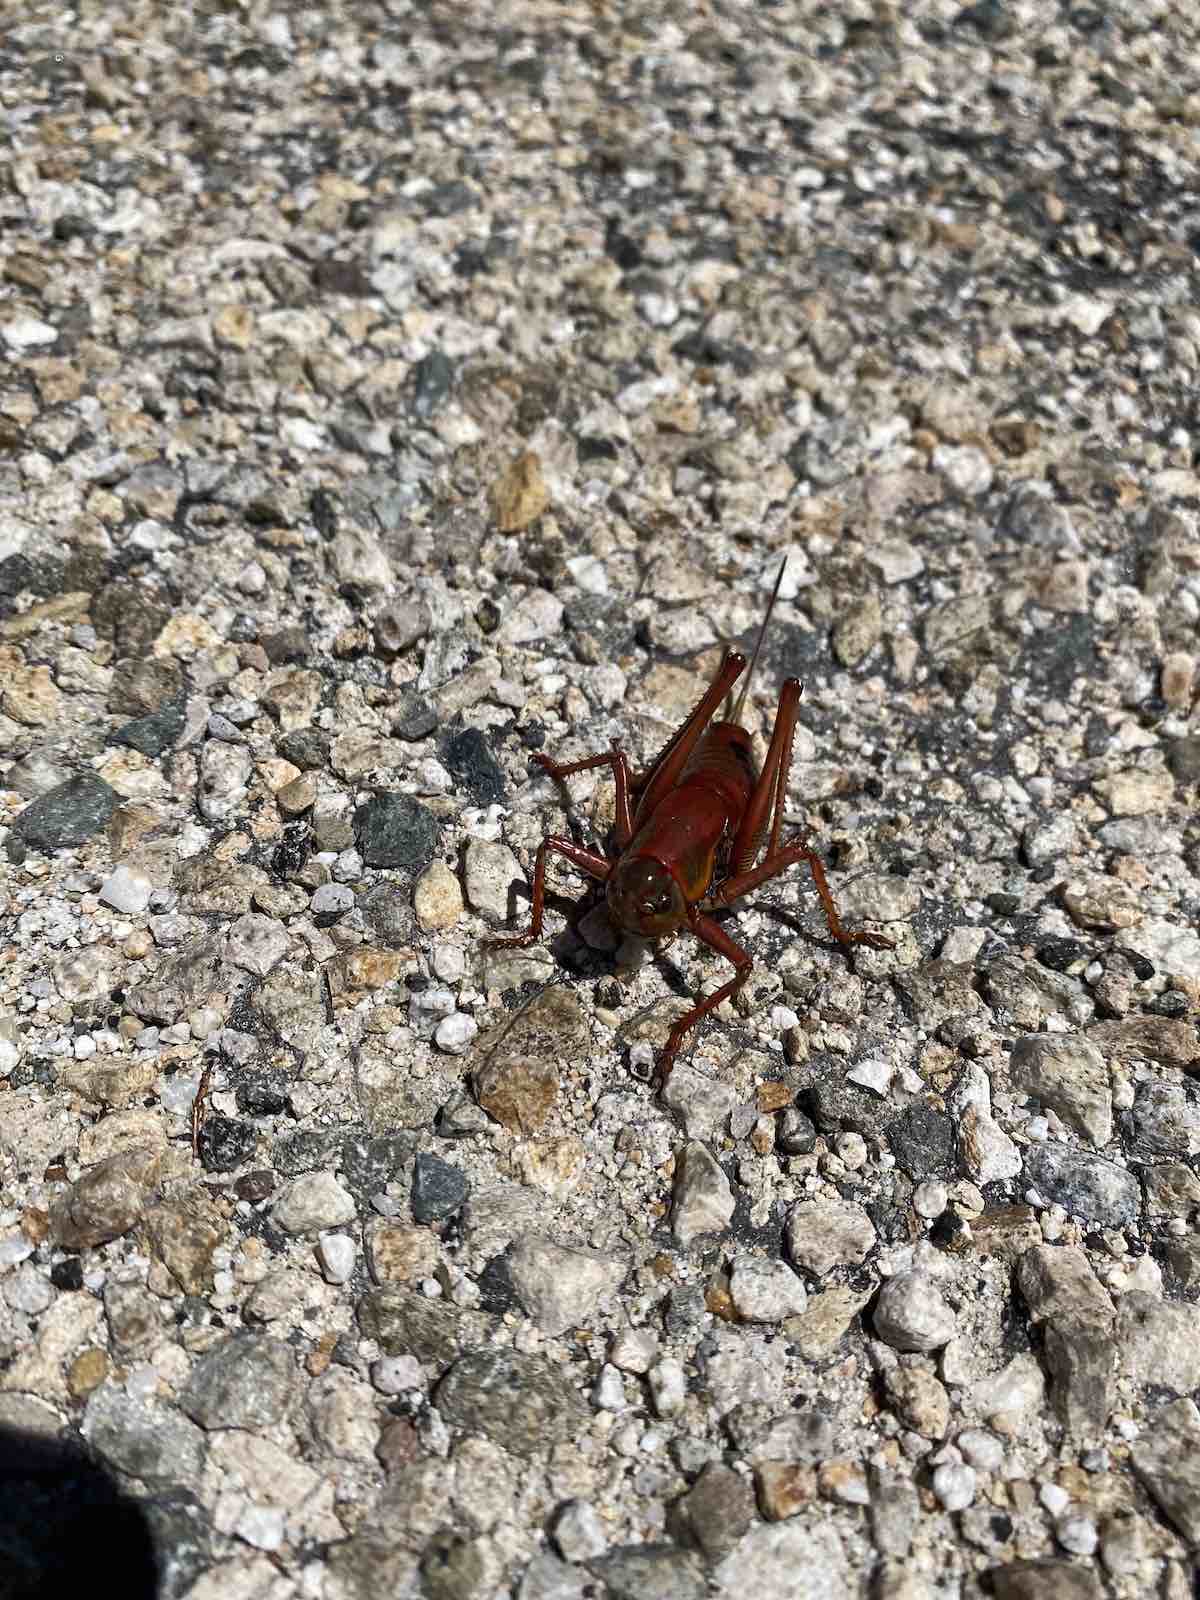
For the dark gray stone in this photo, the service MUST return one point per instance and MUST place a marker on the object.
(1085, 1185)
(470, 760)
(923, 1143)
(523, 1403)
(145, 1438)
(156, 732)
(649, 1572)
(248, 1381)
(68, 815)
(394, 830)
(438, 1190)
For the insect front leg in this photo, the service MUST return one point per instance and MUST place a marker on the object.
(712, 934)
(623, 783)
(596, 866)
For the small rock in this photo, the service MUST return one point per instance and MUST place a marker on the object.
(394, 830)
(1086, 1186)
(823, 1234)
(471, 762)
(1167, 1460)
(559, 1287)
(518, 1091)
(858, 631)
(716, 1511)
(910, 1313)
(400, 625)
(1136, 793)
(455, 1033)
(1044, 1580)
(918, 1399)
(437, 898)
(702, 1201)
(126, 889)
(764, 1290)
(337, 1254)
(399, 1254)
(1069, 1075)
(954, 1486)
(245, 1381)
(1158, 1342)
(634, 1349)
(490, 870)
(519, 495)
(439, 1189)
(668, 1386)
(578, 1531)
(784, 1488)
(257, 943)
(313, 1202)
(523, 1403)
(106, 1201)
(68, 815)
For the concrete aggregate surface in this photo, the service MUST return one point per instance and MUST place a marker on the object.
(392, 392)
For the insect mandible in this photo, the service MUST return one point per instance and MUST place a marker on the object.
(690, 833)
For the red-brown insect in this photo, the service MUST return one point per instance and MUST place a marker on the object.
(690, 829)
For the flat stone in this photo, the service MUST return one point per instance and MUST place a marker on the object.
(1070, 1076)
(1167, 1460)
(765, 1291)
(247, 1381)
(702, 1200)
(1086, 1186)
(1158, 1342)
(794, 1558)
(394, 830)
(68, 815)
(146, 1438)
(523, 1403)
(823, 1234)
(107, 1200)
(560, 1287)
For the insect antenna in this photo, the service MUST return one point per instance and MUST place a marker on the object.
(736, 714)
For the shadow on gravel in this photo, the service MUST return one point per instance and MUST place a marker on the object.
(64, 1522)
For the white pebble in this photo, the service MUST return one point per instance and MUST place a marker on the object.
(1054, 1499)
(929, 1199)
(454, 1035)
(667, 1386)
(397, 1374)
(609, 1393)
(1078, 1534)
(954, 1487)
(126, 890)
(337, 1252)
(981, 1448)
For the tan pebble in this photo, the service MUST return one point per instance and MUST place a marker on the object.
(234, 326)
(784, 1488)
(31, 697)
(88, 1371)
(437, 898)
(138, 944)
(519, 495)
(398, 1254)
(298, 795)
(1178, 678)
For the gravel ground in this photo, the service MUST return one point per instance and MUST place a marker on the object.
(392, 392)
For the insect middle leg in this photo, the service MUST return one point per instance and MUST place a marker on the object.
(770, 793)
